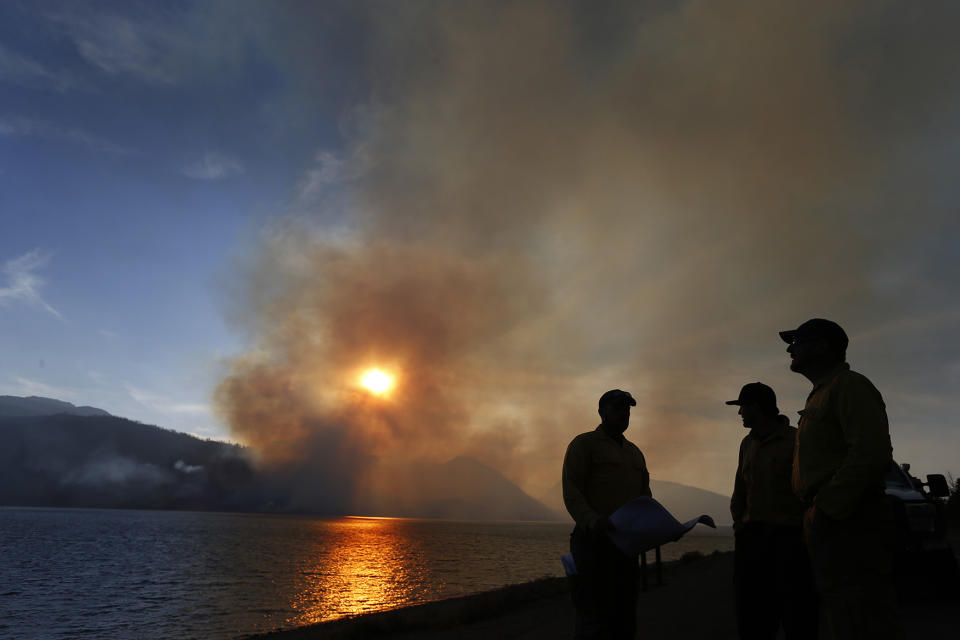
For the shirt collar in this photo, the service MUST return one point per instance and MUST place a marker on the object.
(830, 375)
(777, 432)
(603, 433)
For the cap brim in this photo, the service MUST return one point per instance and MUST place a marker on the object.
(619, 403)
(736, 402)
(788, 336)
(623, 398)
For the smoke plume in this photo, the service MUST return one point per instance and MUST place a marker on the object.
(542, 201)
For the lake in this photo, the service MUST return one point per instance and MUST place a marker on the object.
(171, 574)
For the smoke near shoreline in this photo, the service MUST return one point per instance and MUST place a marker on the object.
(536, 205)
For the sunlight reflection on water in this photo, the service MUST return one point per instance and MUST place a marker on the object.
(365, 564)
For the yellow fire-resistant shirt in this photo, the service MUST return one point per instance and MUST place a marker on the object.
(601, 474)
(762, 491)
(843, 443)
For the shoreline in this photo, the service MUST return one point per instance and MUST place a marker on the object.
(696, 600)
(452, 614)
(432, 615)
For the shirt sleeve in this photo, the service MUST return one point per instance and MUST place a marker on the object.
(576, 465)
(738, 502)
(863, 420)
(646, 476)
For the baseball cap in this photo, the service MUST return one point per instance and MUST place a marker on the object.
(818, 328)
(756, 393)
(616, 396)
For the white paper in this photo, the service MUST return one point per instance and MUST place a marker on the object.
(643, 524)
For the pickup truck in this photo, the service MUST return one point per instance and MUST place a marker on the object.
(925, 563)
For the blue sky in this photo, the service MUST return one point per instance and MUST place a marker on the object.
(566, 200)
(138, 155)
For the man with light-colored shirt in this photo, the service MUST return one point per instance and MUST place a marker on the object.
(602, 471)
(772, 579)
(842, 454)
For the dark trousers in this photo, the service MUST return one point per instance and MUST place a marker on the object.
(773, 583)
(605, 588)
(852, 563)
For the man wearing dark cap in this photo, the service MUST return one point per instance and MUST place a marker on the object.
(842, 454)
(602, 471)
(772, 579)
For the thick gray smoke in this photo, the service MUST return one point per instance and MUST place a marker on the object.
(542, 201)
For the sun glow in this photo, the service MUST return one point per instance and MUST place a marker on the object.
(376, 381)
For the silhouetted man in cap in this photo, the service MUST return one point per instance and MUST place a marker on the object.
(772, 577)
(842, 454)
(602, 471)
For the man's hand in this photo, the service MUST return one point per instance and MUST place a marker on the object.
(602, 524)
(813, 517)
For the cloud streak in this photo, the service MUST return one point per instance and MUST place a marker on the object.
(19, 126)
(160, 47)
(27, 387)
(213, 166)
(163, 404)
(115, 44)
(331, 170)
(22, 284)
(29, 72)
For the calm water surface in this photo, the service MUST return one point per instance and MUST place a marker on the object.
(168, 574)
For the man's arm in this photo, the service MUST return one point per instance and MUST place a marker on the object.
(738, 502)
(576, 468)
(863, 420)
(646, 476)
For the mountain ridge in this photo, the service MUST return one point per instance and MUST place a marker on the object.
(22, 406)
(74, 460)
(683, 501)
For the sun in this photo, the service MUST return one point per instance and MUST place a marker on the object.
(376, 381)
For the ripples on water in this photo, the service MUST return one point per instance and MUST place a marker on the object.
(167, 574)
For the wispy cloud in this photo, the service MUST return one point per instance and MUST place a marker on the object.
(198, 409)
(116, 44)
(155, 44)
(17, 126)
(27, 387)
(330, 169)
(213, 166)
(163, 404)
(26, 71)
(22, 284)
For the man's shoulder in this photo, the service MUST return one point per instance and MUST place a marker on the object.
(632, 446)
(787, 438)
(593, 434)
(850, 381)
(585, 439)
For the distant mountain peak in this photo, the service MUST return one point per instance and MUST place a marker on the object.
(24, 406)
(467, 461)
(682, 500)
(462, 488)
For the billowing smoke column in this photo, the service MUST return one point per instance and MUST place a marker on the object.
(424, 315)
(547, 200)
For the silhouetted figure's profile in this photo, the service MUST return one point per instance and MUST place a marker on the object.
(772, 576)
(842, 455)
(602, 470)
